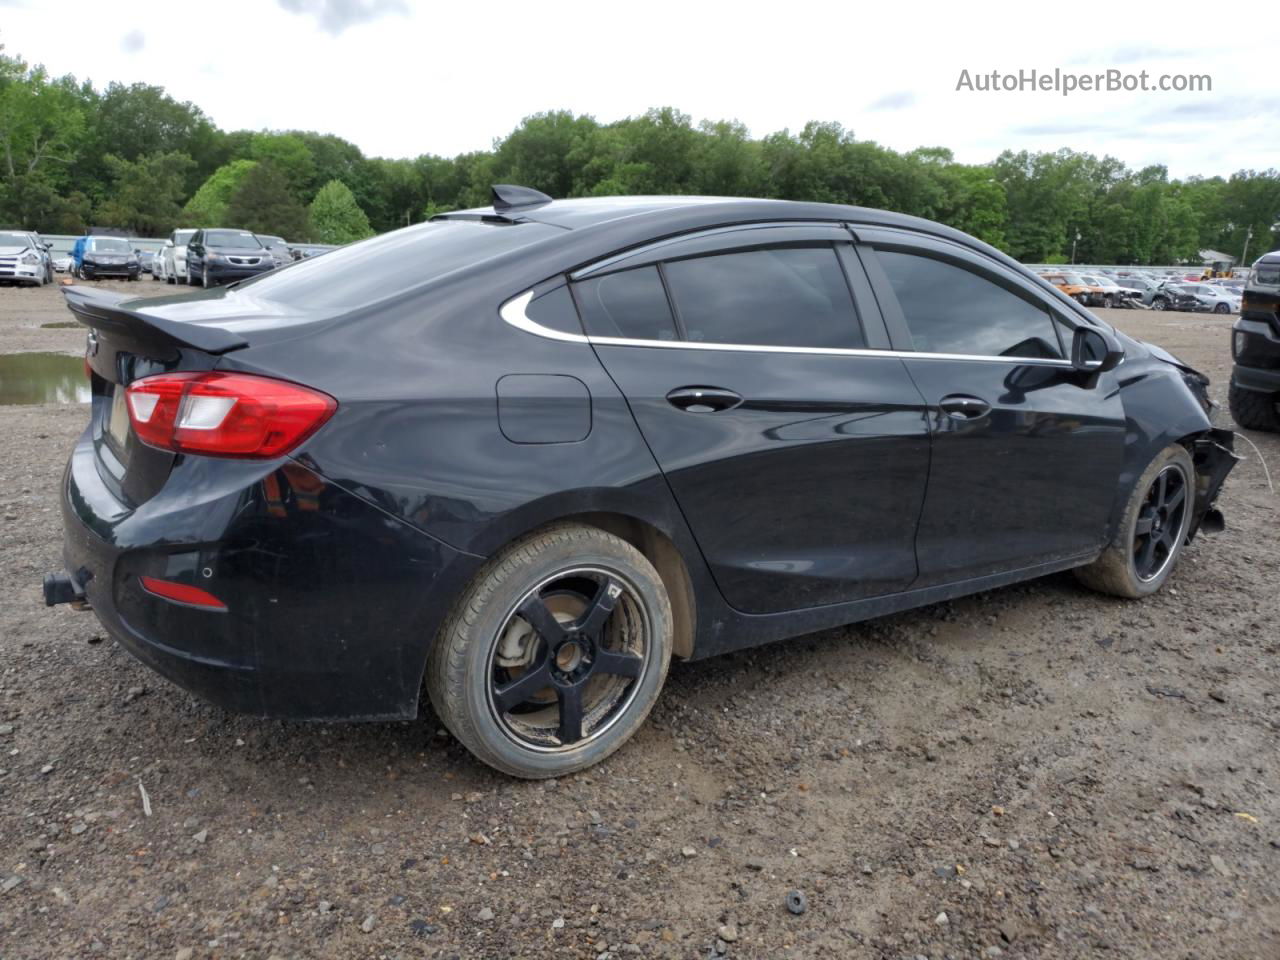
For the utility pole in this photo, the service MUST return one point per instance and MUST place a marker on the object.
(1073, 248)
(1244, 255)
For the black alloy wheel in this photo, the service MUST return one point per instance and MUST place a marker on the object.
(568, 658)
(1161, 523)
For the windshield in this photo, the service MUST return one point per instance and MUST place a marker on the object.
(271, 241)
(109, 245)
(14, 240)
(233, 239)
(392, 263)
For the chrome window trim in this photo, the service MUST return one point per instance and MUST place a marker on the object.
(513, 312)
(837, 229)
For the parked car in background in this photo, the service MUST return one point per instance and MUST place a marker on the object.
(1071, 285)
(1216, 299)
(145, 259)
(175, 255)
(1144, 287)
(63, 263)
(158, 271)
(305, 251)
(24, 259)
(278, 249)
(520, 458)
(1254, 395)
(1175, 296)
(104, 256)
(1112, 294)
(221, 256)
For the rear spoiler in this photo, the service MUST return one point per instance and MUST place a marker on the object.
(101, 310)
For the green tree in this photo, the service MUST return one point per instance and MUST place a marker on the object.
(41, 124)
(208, 207)
(290, 156)
(146, 194)
(336, 217)
(264, 203)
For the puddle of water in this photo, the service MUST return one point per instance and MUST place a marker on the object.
(42, 378)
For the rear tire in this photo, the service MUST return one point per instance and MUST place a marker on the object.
(1159, 303)
(544, 572)
(1253, 409)
(1221, 308)
(1123, 569)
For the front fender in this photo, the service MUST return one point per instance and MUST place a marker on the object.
(1162, 409)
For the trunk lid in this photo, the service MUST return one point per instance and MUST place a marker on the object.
(130, 338)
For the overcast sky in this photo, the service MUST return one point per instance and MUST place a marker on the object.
(405, 77)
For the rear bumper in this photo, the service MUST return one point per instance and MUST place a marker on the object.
(331, 604)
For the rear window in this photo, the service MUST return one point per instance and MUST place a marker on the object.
(1267, 274)
(392, 263)
(631, 305)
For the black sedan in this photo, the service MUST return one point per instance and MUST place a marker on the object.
(219, 256)
(528, 454)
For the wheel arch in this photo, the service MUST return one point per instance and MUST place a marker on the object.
(660, 537)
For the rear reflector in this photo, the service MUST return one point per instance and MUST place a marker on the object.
(182, 593)
(225, 414)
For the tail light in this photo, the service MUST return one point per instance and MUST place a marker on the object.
(225, 414)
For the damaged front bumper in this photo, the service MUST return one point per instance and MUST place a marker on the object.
(1214, 456)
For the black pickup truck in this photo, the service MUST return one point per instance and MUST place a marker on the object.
(1255, 347)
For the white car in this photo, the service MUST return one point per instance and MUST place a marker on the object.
(1218, 299)
(24, 258)
(175, 256)
(157, 265)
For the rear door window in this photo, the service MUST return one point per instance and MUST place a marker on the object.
(950, 309)
(793, 296)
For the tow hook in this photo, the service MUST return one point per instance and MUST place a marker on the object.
(63, 588)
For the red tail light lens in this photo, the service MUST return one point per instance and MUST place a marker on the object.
(225, 414)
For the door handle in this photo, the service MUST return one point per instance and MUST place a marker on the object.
(961, 407)
(703, 399)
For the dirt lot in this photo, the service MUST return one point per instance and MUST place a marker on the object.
(1032, 772)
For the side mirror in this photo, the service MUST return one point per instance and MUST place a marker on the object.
(1095, 351)
(48, 245)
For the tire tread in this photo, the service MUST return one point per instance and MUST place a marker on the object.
(447, 663)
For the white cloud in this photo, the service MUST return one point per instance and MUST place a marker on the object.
(335, 16)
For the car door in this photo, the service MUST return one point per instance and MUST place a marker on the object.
(1027, 451)
(794, 443)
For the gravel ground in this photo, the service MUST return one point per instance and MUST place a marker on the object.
(1032, 772)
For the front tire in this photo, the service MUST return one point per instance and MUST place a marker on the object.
(1152, 531)
(1159, 303)
(1253, 409)
(555, 654)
